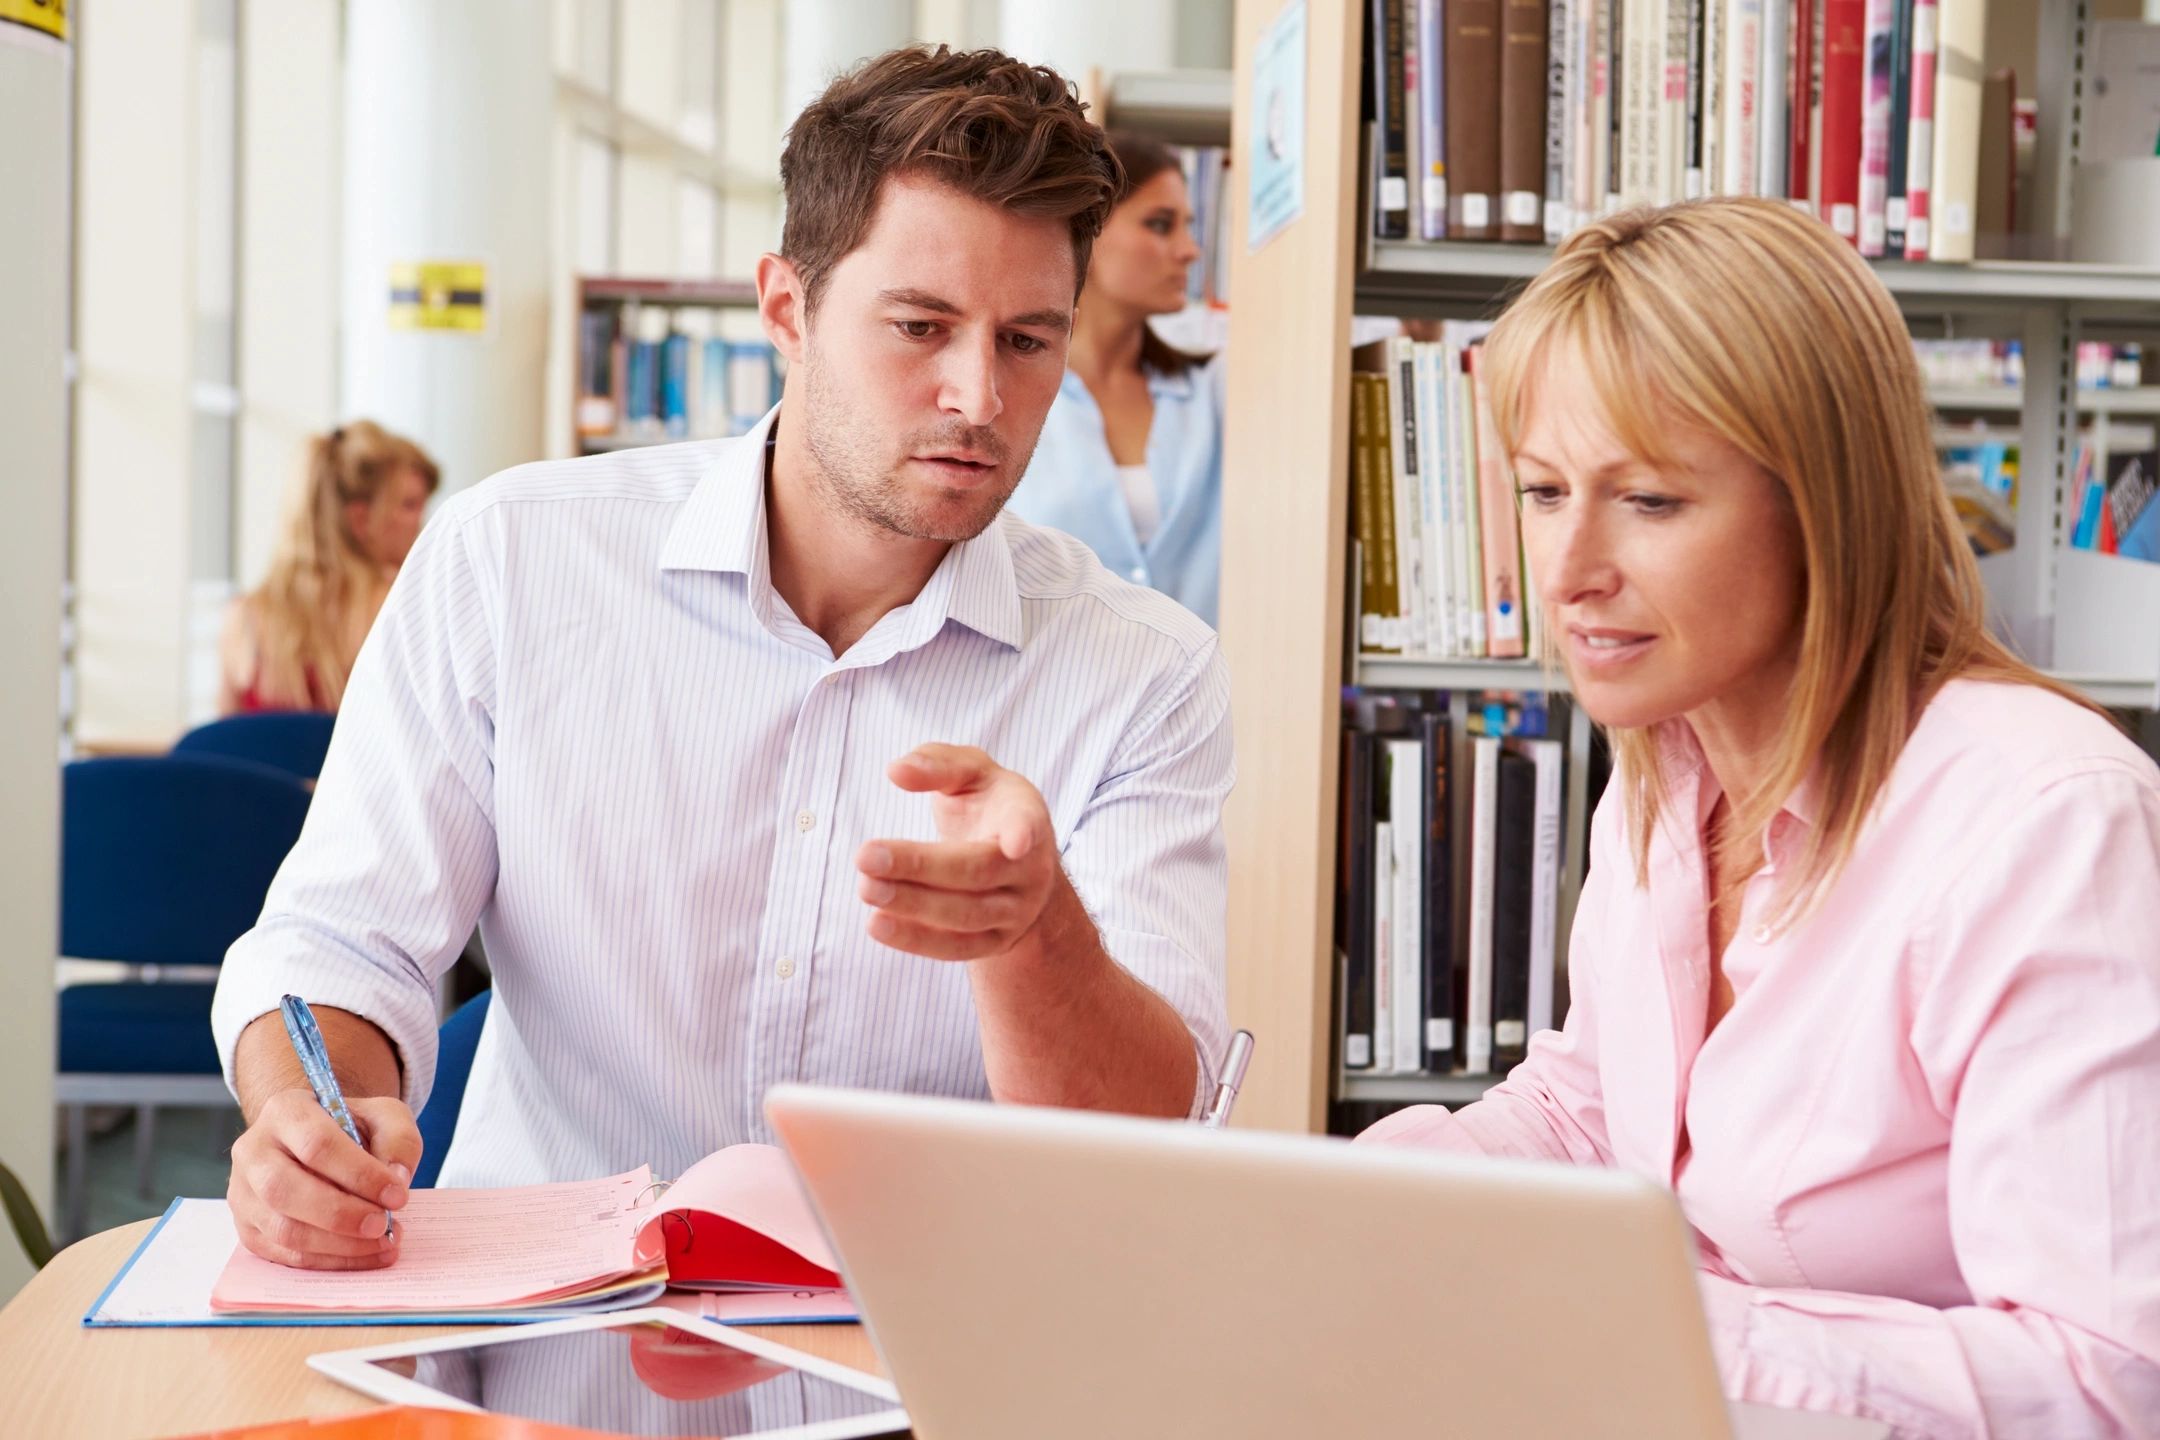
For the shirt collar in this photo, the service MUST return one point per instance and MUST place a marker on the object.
(1162, 384)
(1687, 775)
(722, 525)
(722, 528)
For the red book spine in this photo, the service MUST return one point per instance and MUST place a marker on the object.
(1844, 49)
(1799, 76)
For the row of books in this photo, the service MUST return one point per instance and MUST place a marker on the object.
(1437, 547)
(2114, 479)
(649, 373)
(2001, 363)
(2112, 506)
(1982, 475)
(1429, 987)
(1207, 182)
(1522, 119)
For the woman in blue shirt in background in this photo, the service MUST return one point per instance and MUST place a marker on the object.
(1130, 459)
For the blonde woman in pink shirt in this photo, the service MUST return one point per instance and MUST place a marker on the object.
(1867, 963)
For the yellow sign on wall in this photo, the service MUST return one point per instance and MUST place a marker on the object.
(49, 17)
(437, 294)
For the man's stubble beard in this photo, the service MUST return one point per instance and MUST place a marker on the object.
(853, 479)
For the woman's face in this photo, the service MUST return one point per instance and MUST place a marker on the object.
(386, 529)
(1145, 249)
(1670, 590)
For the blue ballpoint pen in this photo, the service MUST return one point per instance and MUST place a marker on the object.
(307, 1043)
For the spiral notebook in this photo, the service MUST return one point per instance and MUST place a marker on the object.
(734, 1222)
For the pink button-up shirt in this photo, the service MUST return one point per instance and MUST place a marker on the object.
(1921, 1152)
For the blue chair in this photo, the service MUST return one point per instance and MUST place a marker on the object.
(456, 1044)
(294, 741)
(164, 861)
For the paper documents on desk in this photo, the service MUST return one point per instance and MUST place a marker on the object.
(735, 1221)
(585, 1246)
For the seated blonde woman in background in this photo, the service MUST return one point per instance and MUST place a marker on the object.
(290, 643)
(1867, 963)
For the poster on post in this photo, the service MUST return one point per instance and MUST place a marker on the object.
(1277, 194)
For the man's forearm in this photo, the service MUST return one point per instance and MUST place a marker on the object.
(361, 1055)
(1064, 1024)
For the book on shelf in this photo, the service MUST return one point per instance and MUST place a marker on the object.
(1803, 92)
(1354, 904)
(1773, 84)
(1433, 515)
(1954, 178)
(1405, 769)
(1548, 761)
(1994, 199)
(1470, 45)
(1380, 622)
(1502, 534)
(1530, 118)
(654, 372)
(1920, 131)
(1514, 860)
(1559, 115)
(1523, 105)
(1430, 183)
(1437, 879)
(1449, 955)
(1391, 196)
(1477, 974)
(1900, 122)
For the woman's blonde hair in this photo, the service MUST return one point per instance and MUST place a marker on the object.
(1750, 321)
(318, 573)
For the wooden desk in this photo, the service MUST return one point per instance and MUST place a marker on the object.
(62, 1379)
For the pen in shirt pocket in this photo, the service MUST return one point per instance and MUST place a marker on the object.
(307, 1043)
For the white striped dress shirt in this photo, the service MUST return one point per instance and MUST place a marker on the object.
(585, 718)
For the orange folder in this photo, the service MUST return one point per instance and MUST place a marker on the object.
(404, 1422)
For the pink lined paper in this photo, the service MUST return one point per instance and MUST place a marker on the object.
(470, 1250)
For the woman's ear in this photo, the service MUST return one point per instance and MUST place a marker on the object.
(359, 521)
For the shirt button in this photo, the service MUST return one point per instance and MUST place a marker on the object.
(804, 820)
(1762, 934)
(1139, 576)
(785, 969)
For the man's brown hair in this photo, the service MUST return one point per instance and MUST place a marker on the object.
(995, 129)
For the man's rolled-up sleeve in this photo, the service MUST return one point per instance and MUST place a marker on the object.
(398, 854)
(1147, 854)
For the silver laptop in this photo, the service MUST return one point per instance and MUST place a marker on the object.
(1050, 1274)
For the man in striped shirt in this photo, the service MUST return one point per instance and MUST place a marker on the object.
(787, 757)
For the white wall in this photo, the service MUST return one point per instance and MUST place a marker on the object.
(289, 203)
(828, 38)
(135, 335)
(33, 475)
(1103, 36)
(448, 155)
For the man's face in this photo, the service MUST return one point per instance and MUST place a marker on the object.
(932, 358)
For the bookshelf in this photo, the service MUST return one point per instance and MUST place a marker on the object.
(613, 313)
(2096, 400)
(2094, 619)
(1480, 274)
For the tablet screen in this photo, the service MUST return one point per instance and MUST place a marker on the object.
(636, 1379)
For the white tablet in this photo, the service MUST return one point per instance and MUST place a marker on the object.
(635, 1372)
